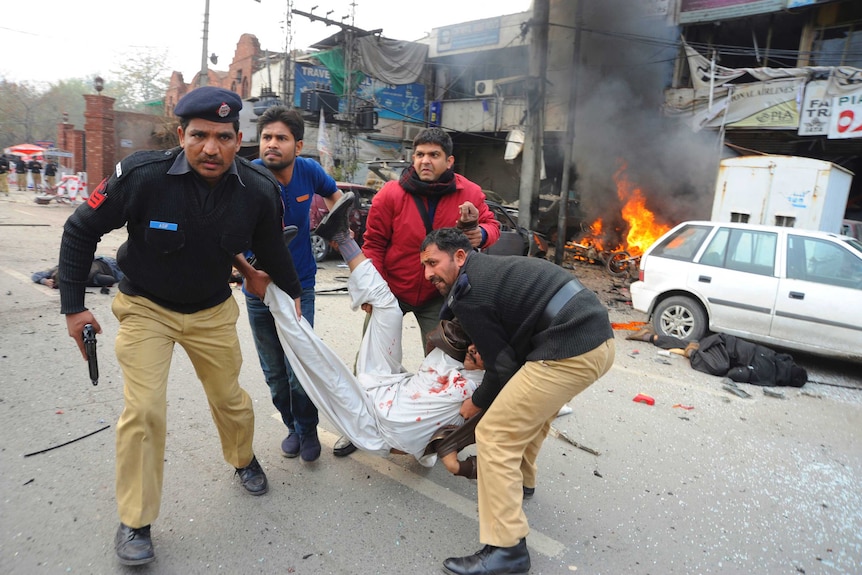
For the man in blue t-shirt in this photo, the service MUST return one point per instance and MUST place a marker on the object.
(280, 133)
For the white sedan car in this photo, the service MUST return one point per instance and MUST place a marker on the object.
(783, 287)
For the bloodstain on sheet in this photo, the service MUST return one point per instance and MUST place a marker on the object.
(444, 385)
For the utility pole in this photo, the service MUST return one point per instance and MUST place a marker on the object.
(203, 78)
(531, 158)
(350, 33)
(568, 151)
(287, 65)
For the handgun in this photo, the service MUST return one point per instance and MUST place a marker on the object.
(90, 348)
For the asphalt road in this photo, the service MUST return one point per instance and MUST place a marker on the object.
(701, 482)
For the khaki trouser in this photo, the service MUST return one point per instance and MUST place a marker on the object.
(22, 181)
(37, 180)
(510, 435)
(50, 181)
(144, 348)
(4, 184)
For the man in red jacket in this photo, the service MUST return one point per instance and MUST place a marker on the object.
(429, 195)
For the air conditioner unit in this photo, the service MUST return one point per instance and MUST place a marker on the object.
(484, 87)
(411, 131)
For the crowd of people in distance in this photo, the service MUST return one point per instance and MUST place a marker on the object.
(22, 166)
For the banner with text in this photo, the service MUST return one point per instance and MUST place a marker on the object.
(405, 102)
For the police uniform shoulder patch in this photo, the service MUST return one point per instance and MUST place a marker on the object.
(98, 196)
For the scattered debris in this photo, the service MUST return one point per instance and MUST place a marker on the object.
(557, 433)
(731, 386)
(67, 443)
(630, 326)
(641, 398)
(773, 393)
(332, 290)
(681, 406)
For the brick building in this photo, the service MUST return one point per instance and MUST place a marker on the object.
(237, 78)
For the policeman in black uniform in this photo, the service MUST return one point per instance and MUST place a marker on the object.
(4, 169)
(188, 211)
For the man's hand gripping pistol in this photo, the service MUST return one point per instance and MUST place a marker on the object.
(90, 347)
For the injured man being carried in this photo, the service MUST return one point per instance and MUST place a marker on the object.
(382, 408)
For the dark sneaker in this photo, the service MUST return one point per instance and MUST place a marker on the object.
(338, 218)
(309, 447)
(529, 492)
(134, 546)
(343, 447)
(290, 446)
(253, 478)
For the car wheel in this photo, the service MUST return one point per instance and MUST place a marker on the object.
(681, 317)
(319, 247)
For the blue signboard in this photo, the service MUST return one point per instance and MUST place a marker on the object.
(469, 35)
(405, 102)
(435, 113)
(691, 11)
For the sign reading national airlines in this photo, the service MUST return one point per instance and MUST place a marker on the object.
(846, 119)
(711, 10)
(405, 102)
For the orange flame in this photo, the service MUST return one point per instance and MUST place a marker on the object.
(643, 229)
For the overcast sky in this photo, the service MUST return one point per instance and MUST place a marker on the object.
(52, 40)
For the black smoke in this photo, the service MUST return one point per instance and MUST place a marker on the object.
(627, 57)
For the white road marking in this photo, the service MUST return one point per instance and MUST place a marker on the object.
(466, 507)
(50, 292)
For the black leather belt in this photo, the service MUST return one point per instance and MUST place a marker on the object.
(561, 298)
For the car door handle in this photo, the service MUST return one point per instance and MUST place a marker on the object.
(797, 295)
(704, 279)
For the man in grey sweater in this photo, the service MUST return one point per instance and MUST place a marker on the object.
(544, 338)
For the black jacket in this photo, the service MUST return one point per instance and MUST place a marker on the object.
(500, 299)
(176, 255)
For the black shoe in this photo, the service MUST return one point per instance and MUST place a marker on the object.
(343, 447)
(529, 492)
(309, 447)
(290, 445)
(289, 233)
(253, 478)
(337, 220)
(134, 546)
(492, 560)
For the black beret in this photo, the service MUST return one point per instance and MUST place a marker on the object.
(210, 103)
